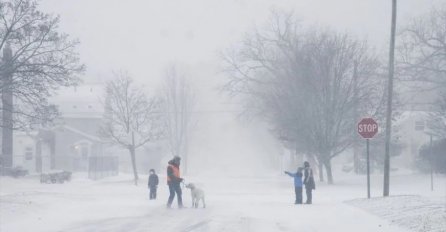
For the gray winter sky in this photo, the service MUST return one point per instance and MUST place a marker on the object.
(143, 36)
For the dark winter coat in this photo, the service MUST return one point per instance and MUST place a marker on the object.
(297, 178)
(153, 180)
(309, 179)
(171, 174)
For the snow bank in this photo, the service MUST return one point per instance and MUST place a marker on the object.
(417, 213)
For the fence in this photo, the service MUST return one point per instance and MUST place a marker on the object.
(102, 166)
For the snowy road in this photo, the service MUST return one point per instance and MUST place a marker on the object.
(233, 205)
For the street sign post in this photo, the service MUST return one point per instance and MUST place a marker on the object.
(368, 128)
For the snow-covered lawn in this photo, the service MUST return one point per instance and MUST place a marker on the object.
(233, 204)
(416, 213)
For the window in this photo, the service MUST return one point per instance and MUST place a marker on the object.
(419, 125)
(28, 153)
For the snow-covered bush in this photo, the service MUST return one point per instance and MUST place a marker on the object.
(436, 157)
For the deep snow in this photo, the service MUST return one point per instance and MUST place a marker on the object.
(234, 204)
(413, 212)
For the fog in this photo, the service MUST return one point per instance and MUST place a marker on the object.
(234, 88)
(144, 37)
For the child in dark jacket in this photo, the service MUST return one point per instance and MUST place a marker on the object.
(153, 184)
(297, 184)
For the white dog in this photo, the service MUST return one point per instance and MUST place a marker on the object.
(197, 195)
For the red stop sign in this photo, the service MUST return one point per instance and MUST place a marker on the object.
(367, 128)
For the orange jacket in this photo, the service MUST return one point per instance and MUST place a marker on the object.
(174, 175)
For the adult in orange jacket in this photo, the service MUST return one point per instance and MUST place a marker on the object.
(173, 181)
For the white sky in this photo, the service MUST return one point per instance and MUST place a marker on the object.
(143, 36)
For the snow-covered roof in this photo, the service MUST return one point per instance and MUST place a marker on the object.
(80, 101)
(411, 115)
(86, 135)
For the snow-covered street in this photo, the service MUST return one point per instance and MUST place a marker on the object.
(287, 116)
(239, 204)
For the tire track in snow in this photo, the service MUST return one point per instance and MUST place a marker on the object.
(201, 226)
(158, 219)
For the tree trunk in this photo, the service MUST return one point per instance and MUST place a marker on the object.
(186, 142)
(52, 151)
(185, 156)
(298, 157)
(133, 157)
(7, 109)
(327, 164)
(356, 154)
(39, 156)
(292, 160)
(321, 171)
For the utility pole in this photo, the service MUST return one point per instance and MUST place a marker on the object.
(356, 153)
(7, 108)
(386, 188)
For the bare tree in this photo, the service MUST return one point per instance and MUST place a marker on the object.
(179, 100)
(131, 119)
(422, 48)
(422, 60)
(302, 82)
(37, 59)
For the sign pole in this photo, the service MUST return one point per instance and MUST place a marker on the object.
(368, 128)
(368, 168)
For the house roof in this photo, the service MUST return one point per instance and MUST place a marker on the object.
(412, 115)
(83, 134)
(83, 101)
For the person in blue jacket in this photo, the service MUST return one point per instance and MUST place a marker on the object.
(297, 184)
(153, 184)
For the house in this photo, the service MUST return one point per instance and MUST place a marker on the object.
(412, 133)
(75, 137)
(412, 123)
(73, 142)
(27, 152)
(76, 142)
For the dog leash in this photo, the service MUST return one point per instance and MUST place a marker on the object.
(183, 183)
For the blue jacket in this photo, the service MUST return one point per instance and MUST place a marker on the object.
(297, 178)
